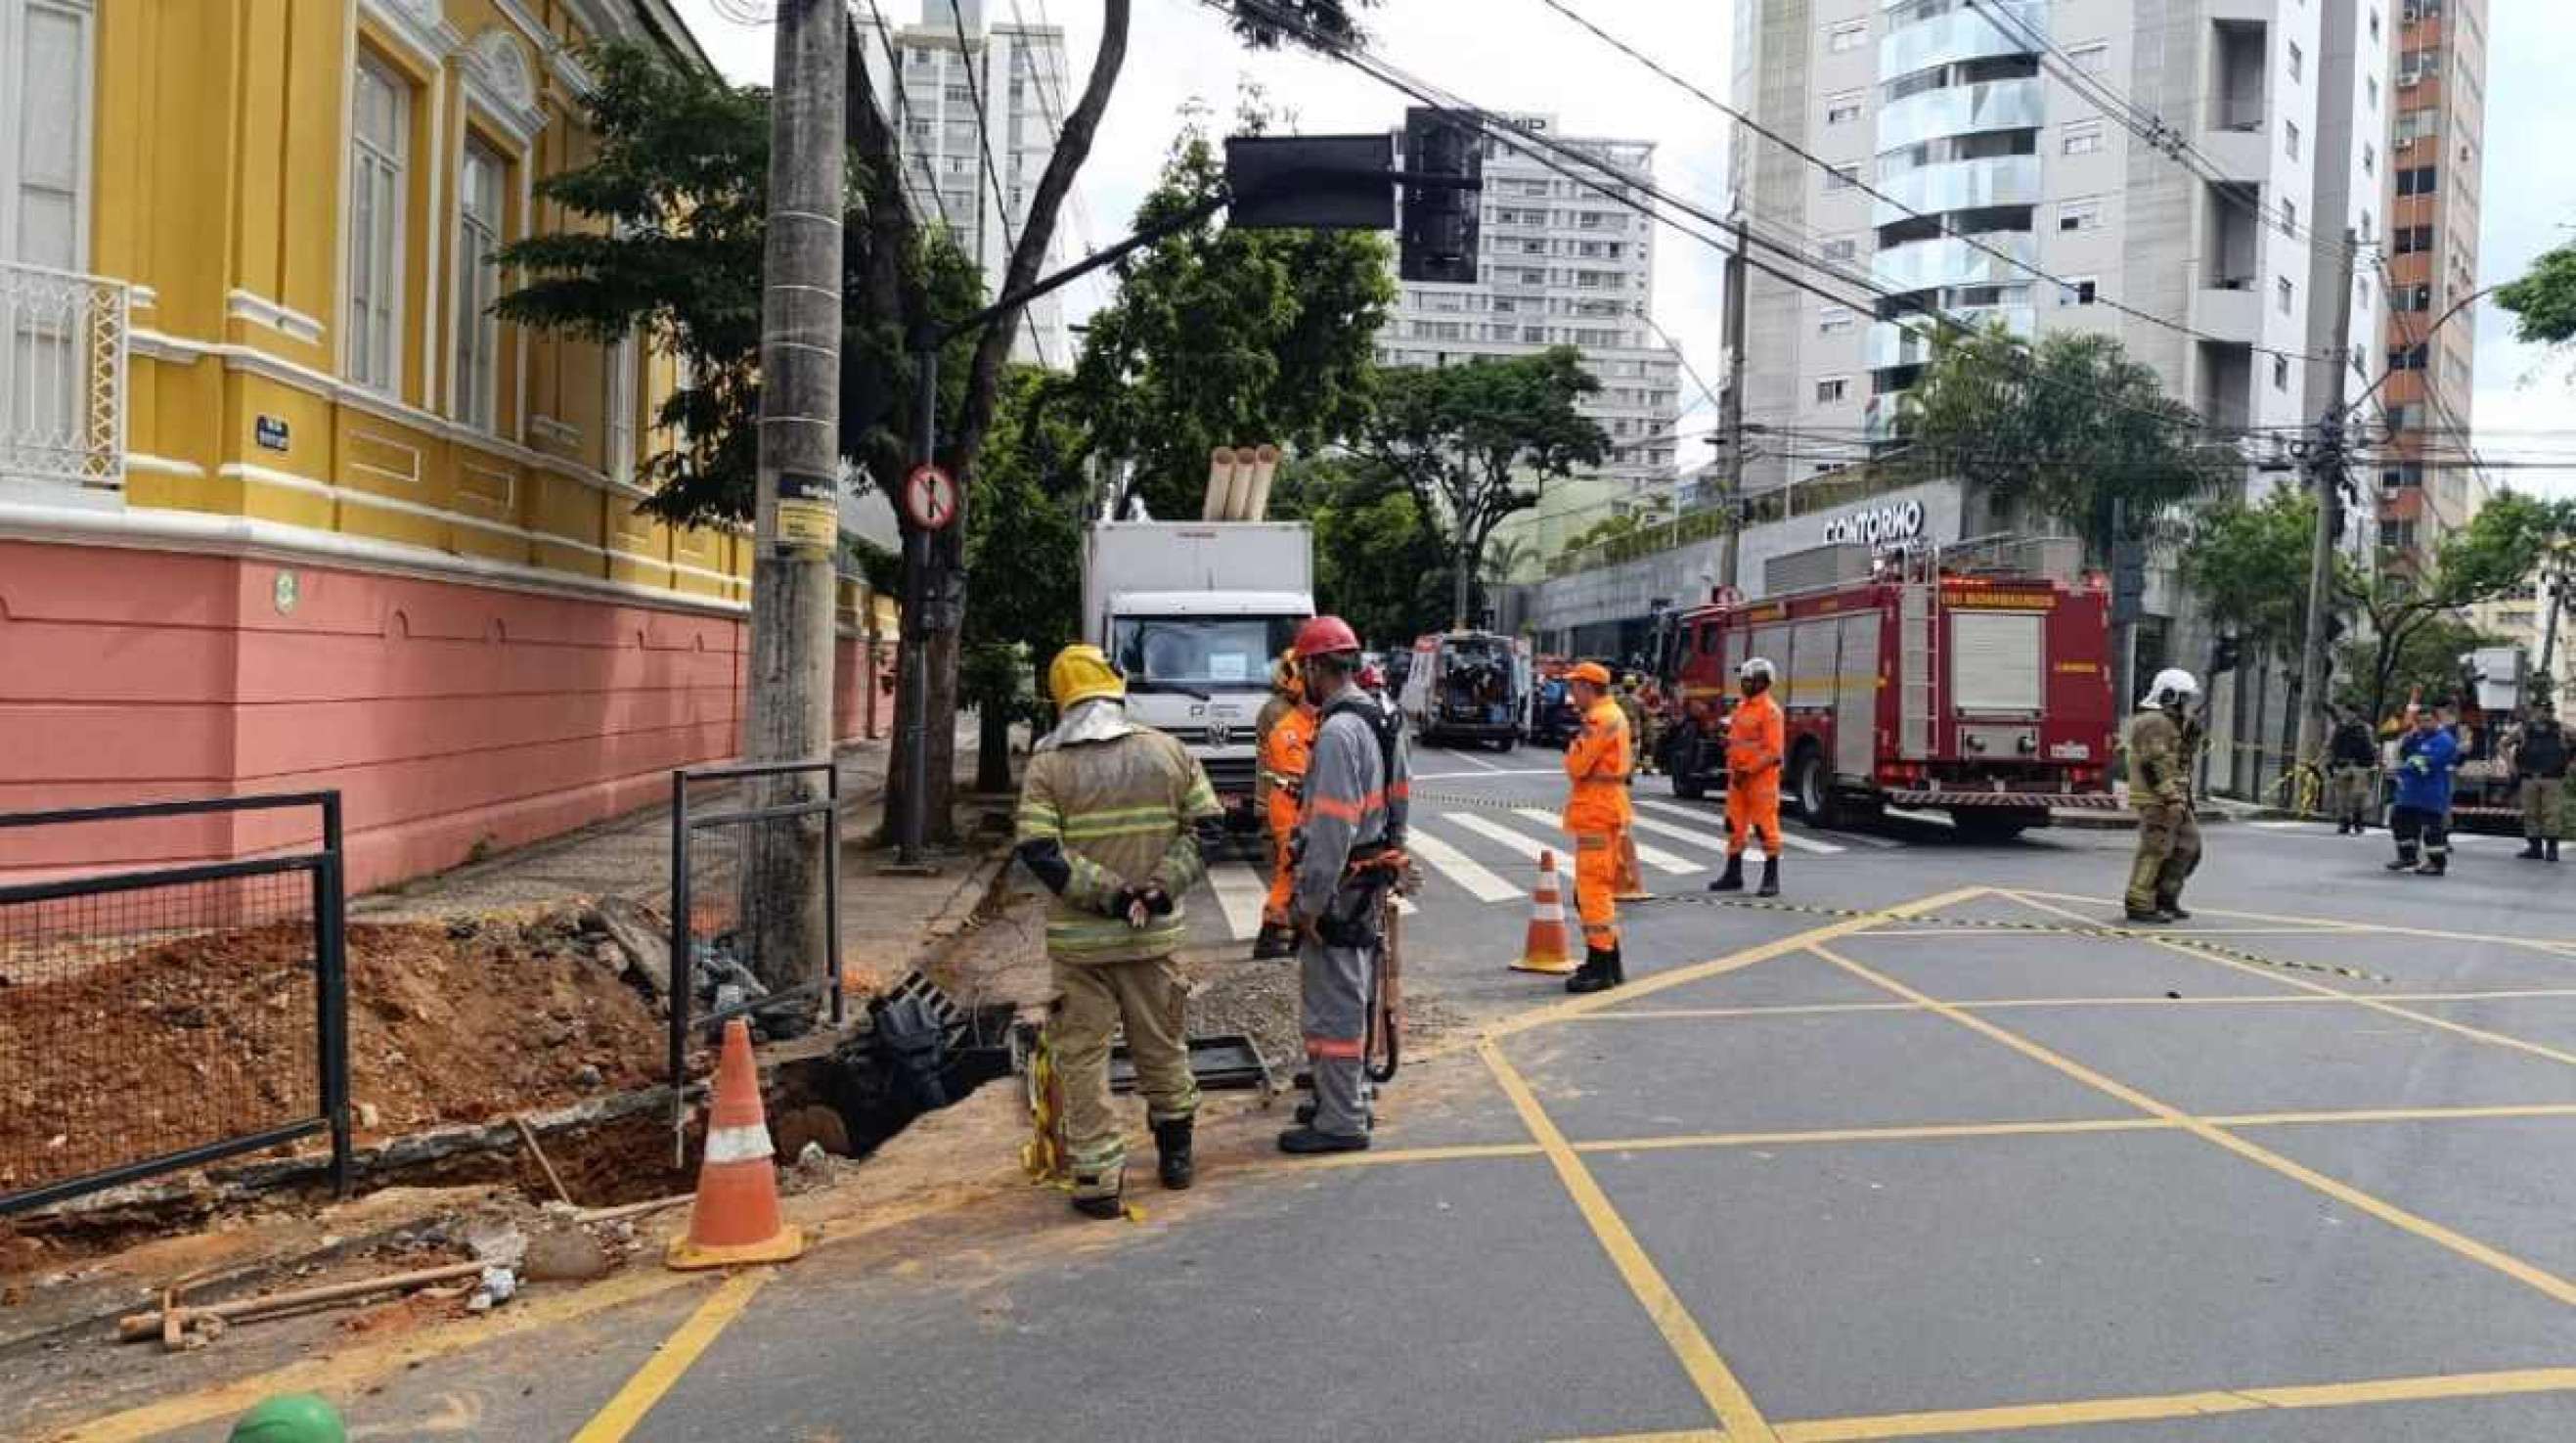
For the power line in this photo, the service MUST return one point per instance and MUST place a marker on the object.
(1948, 227)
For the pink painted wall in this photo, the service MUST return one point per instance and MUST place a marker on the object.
(445, 713)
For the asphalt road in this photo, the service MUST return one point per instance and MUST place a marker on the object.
(1897, 1167)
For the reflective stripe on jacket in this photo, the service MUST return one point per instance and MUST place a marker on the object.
(1349, 802)
(1125, 813)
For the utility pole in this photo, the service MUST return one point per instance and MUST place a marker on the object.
(1730, 409)
(798, 526)
(2325, 458)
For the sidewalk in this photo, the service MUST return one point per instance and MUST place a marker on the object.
(2208, 810)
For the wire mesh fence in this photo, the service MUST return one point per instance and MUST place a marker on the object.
(755, 868)
(157, 1019)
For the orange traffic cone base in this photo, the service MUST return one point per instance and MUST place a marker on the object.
(1550, 966)
(784, 1246)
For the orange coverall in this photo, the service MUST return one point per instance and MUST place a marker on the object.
(1597, 813)
(1755, 738)
(1284, 755)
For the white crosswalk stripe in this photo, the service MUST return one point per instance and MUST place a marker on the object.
(1240, 890)
(1788, 838)
(1457, 866)
(1655, 857)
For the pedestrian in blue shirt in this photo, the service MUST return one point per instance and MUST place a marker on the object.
(2426, 757)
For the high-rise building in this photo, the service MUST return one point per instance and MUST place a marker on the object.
(982, 100)
(2435, 148)
(1559, 263)
(2175, 175)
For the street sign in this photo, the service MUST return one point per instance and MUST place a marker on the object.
(930, 498)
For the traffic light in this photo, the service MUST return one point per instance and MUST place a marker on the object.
(2224, 654)
(1444, 169)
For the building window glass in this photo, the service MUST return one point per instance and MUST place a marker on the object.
(2289, 216)
(2280, 373)
(2298, 61)
(2077, 292)
(2416, 180)
(478, 331)
(1847, 37)
(2285, 293)
(380, 148)
(1842, 177)
(1839, 248)
(44, 52)
(1842, 109)
(1833, 320)
(2290, 138)
(2080, 215)
(2083, 137)
(1832, 389)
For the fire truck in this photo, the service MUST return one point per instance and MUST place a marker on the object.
(1983, 693)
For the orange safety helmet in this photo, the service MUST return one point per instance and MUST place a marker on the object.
(1325, 635)
(1593, 672)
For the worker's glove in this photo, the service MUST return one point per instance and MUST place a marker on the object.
(2419, 766)
(1157, 901)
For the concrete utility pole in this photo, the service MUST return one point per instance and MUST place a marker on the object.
(2325, 458)
(1730, 411)
(798, 528)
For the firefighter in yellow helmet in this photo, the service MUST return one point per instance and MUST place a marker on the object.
(1108, 820)
(1597, 814)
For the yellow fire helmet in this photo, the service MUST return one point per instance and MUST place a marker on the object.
(1082, 673)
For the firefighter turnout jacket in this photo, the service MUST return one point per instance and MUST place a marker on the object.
(1101, 819)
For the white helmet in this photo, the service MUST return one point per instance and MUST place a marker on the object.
(1755, 668)
(2173, 687)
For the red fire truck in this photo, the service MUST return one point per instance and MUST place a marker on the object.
(1985, 694)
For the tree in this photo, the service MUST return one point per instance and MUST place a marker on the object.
(1380, 563)
(1477, 442)
(2249, 565)
(2428, 660)
(2498, 550)
(1220, 336)
(2071, 429)
(2543, 301)
(1026, 538)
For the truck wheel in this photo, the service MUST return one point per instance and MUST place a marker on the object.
(1506, 742)
(1817, 804)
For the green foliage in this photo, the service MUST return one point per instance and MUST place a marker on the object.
(1220, 336)
(1259, 22)
(1023, 544)
(1475, 443)
(2249, 565)
(671, 220)
(1380, 564)
(2063, 430)
(2497, 551)
(2426, 660)
(2543, 301)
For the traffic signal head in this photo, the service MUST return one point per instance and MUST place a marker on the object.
(2225, 653)
(1444, 168)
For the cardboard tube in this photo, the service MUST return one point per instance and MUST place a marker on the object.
(1265, 466)
(1220, 481)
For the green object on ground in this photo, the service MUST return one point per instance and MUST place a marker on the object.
(290, 1418)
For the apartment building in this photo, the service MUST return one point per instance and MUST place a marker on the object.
(1561, 264)
(283, 505)
(2436, 148)
(982, 99)
(2023, 181)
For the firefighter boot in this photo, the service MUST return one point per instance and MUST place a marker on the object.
(1172, 1153)
(1273, 942)
(2530, 851)
(1092, 1202)
(2434, 865)
(1770, 878)
(1600, 971)
(1732, 879)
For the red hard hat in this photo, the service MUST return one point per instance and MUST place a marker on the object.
(1325, 635)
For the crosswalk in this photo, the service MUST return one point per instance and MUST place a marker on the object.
(1440, 840)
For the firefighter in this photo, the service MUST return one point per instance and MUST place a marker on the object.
(1350, 835)
(1755, 739)
(2162, 739)
(1630, 883)
(1107, 820)
(2540, 763)
(1641, 724)
(2426, 757)
(2352, 756)
(1285, 749)
(1597, 813)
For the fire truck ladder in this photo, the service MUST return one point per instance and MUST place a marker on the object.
(1917, 636)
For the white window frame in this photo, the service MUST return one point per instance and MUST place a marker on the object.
(373, 314)
(1844, 38)
(1839, 248)
(15, 96)
(1843, 108)
(2290, 138)
(2093, 59)
(2298, 60)
(1833, 320)
(2079, 215)
(1841, 390)
(2286, 292)
(619, 424)
(2072, 293)
(1841, 177)
(2080, 137)
(476, 375)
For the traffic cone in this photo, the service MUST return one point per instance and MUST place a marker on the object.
(1545, 948)
(1630, 885)
(735, 1218)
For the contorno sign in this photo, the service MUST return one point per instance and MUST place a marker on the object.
(1891, 525)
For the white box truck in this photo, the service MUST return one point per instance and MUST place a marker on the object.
(1194, 613)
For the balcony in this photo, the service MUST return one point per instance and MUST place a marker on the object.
(1893, 344)
(1951, 261)
(2241, 151)
(2230, 311)
(1962, 110)
(1960, 34)
(62, 382)
(1959, 185)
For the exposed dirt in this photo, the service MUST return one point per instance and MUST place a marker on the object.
(183, 1042)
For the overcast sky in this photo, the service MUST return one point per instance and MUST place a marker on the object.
(1518, 55)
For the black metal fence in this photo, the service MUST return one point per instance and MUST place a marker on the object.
(162, 1018)
(731, 825)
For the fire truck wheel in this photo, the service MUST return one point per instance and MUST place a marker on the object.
(1814, 789)
(1506, 742)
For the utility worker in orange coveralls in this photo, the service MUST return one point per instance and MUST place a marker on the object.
(1597, 814)
(1285, 750)
(1755, 738)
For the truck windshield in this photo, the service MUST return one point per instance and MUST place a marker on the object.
(1199, 651)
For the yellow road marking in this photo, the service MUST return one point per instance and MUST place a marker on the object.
(2555, 947)
(2161, 931)
(2251, 999)
(1573, 1007)
(613, 1422)
(2178, 1405)
(2539, 1279)
(1708, 1372)
(1928, 1131)
(2395, 1114)
(2459, 1029)
(1381, 1157)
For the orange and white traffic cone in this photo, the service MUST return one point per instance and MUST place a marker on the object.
(1545, 948)
(735, 1219)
